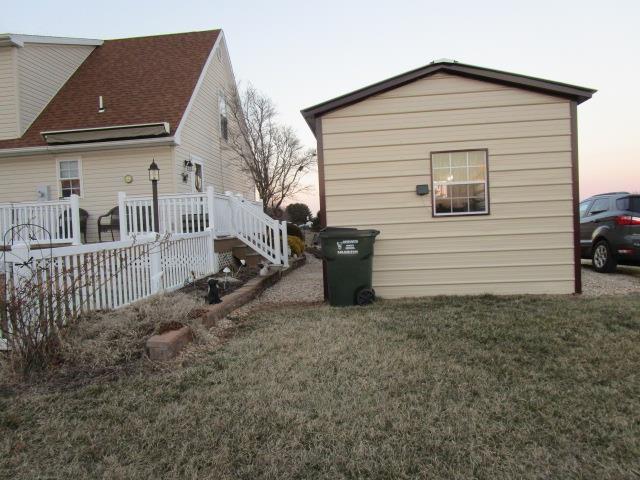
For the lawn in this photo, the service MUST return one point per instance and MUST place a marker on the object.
(483, 387)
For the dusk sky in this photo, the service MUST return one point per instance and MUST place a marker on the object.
(301, 53)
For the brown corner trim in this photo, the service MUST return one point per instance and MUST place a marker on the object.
(576, 199)
(323, 198)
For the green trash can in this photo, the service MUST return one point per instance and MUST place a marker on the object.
(348, 253)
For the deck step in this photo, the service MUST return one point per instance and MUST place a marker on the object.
(225, 244)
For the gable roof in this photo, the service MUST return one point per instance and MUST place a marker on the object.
(572, 92)
(142, 80)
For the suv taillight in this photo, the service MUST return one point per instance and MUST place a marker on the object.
(627, 220)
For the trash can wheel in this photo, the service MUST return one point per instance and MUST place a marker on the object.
(365, 296)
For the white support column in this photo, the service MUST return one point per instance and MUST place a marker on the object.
(122, 209)
(285, 244)
(211, 253)
(155, 265)
(74, 204)
(211, 199)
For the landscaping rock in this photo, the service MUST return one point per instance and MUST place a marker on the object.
(168, 344)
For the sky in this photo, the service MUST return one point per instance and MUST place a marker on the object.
(301, 53)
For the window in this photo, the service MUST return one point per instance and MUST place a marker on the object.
(198, 183)
(584, 207)
(69, 178)
(629, 203)
(224, 123)
(600, 205)
(459, 181)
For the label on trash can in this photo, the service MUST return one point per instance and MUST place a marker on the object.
(347, 247)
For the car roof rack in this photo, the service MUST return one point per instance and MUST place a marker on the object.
(611, 193)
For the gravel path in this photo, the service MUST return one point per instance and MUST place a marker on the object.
(625, 280)
(303, 285)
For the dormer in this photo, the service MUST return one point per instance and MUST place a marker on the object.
(32, 70)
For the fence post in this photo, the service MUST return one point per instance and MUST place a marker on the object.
(155, 266)
(211, 253)
(211, 198)
(232, 207)
(75, 220)
(122, 213)
(285, 244)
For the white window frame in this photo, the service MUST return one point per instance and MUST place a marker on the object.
(222, 97)
(80, 176)
(485, 182)
(197, 160)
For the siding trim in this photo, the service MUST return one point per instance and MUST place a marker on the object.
(412, 190)
(401, 175)
(351, 209)
(351, 132)
(443, 109)
(465, 267)
(525, 82)
(489, 234)
(576, 199)
(473, 250)
(323, 197)
(481, 140)
(474, 282)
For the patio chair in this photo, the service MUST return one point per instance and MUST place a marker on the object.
(84, 217)
(109, 222)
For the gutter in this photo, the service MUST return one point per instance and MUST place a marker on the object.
(24, 151)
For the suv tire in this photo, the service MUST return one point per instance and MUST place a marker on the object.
(602, 257)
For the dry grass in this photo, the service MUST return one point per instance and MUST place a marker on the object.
(476, 387)
(108, 344)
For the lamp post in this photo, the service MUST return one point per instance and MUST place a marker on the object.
(154, 176)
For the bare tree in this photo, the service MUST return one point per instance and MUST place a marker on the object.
(268, 151)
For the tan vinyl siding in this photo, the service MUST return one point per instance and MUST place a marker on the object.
(200, 135)
(377, 151)
(8, 94)
(42, 71)
(103, 174)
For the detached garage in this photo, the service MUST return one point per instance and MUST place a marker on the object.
(470, 174)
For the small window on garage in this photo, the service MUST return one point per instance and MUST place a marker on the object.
(459, 183)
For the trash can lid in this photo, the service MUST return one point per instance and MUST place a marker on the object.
(341, 232)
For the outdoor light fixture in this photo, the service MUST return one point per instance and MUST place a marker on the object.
(154, 171)
(154, 176)
(188, 168)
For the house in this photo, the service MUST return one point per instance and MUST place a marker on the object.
(87, 117)
(469, 173)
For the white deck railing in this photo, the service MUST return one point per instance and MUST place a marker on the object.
(225, 215)
(41, 222)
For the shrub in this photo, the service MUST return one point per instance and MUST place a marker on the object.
(298, 213)
(296, 245)
(294, 230)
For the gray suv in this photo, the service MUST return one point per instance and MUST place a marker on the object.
(610, 230)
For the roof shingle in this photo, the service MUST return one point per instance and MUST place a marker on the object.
(142, 80)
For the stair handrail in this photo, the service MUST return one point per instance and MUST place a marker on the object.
(259, 231)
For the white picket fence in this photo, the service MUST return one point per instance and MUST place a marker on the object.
(41, 222)
(225, 215)
(110, 275)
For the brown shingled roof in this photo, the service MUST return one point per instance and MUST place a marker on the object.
(142, 80)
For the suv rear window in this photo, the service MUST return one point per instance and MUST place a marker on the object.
(629, 203)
